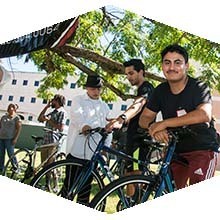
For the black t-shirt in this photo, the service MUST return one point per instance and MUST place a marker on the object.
(174, 105)
(145, 90)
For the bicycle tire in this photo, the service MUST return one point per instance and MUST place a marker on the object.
(55, 187)
(113, 197)
(18, 171)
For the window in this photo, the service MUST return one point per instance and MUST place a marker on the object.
(25, 82)
(36, 83)
(10, 98)
(14, 82)
(72, 85)
(0, 97)
(110, 106)
(33, 100)
(44, 101)
(123, 107)
(67, 122)
(30, 118)
(21, 99)
(69, 103)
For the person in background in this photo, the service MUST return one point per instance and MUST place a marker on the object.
(55, 122)
(135, 72)
(10, 128)
(183, 101)
(88, 111)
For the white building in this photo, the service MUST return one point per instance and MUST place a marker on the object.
(21, 89)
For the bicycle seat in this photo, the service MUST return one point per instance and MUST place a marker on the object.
(37, 138)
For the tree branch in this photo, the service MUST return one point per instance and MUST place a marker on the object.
(88, 71)
(108, 65)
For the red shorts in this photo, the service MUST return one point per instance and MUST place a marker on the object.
(202, 165)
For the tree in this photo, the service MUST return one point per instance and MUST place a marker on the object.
(106, 38)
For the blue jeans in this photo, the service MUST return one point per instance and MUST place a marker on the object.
(6, 144)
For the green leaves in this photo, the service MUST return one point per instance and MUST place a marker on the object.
(115, 35)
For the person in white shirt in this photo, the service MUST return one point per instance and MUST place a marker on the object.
(87, 111)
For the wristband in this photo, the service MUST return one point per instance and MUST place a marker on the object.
(124, 117)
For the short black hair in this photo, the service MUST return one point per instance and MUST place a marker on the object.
(175, 48)
(137, 63)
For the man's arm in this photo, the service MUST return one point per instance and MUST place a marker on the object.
(17, 132)
(133, 110)
(42, 117)
(58, 126)
(202, 114)
(146, 118)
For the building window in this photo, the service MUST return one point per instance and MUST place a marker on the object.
(10, 98)
(67, 122)
(33, 100)
(44, 101)
(25, 82)
(36, 83)
(30, 118)
(0, 97)
(110, 106)
(14, 82)
(69, 103)
(72, 85)
(123, 107)
(21, 99)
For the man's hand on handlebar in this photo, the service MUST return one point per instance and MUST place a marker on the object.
(85, 129)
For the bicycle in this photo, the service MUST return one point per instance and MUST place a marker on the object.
(87, 170)
(118, 167)
(25, 167)
(114, 198)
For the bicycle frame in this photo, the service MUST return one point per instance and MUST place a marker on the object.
(166, 182)
(97, 158)
(39, 147)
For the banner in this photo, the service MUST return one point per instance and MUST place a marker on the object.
(53, 36)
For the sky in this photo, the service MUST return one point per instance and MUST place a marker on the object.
(12, 63)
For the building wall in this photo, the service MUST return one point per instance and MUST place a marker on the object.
(23, 85)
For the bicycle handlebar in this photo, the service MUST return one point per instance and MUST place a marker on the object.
(57, 132)
(99, 130)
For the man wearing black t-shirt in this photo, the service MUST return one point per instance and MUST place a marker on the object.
(135, 72)
(183, 101)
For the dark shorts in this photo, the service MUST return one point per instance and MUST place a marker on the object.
(202, 165)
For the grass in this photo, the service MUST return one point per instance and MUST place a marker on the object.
(95, 188)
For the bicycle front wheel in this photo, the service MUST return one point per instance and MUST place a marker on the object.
(52, 179)
(17, 165)
(124, 193)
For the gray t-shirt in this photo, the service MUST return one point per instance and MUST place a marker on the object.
(8, 126)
